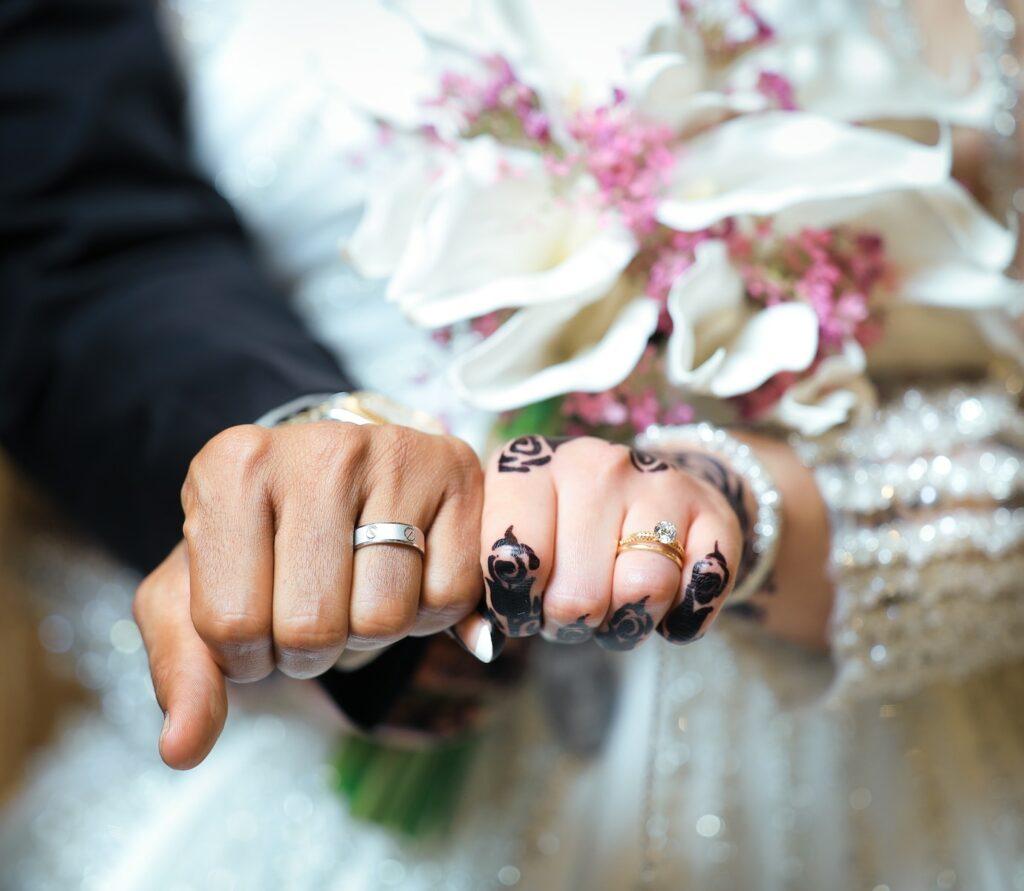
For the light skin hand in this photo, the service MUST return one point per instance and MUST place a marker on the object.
(555, 509)
(267, 577)
(554, 512)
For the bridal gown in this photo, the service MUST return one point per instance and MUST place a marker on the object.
(734, 777)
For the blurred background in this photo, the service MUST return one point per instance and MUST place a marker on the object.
(38, 686)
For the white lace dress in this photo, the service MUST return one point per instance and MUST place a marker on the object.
(735, 777)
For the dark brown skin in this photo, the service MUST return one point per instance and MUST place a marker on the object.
(267, 578)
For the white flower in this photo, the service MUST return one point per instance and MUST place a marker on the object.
(948, 251)
(557, 348)
(835, 390)
(850, 74)
(764, 163)
(741, 348)
(489, 231)
(485, 226)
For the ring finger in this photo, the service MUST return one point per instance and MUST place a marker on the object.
(386, 577)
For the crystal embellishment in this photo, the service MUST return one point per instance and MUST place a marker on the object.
(665, 532)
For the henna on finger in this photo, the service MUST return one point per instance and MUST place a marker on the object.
(627, 627)
(733, 488)
(511, 572)
(575, 632)
(645, 462)
(525, 453)
(708, 581)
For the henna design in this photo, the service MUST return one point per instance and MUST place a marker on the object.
(511, 572)
(645, 462)
(575, 632)
(526, 452)
(707, 583)
(627, 627)
(732, 486)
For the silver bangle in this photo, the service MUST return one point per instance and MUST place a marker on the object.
(314, 407)
(741, 458)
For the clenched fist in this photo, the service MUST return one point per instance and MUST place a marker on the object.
(555, 511)
(267, 575)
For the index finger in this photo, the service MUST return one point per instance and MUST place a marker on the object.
(517, 533)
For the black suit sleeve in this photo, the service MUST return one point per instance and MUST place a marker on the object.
(134, 321)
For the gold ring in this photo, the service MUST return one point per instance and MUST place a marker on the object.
(661, 540)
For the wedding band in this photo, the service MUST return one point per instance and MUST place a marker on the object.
(661, 540)
(389, 533)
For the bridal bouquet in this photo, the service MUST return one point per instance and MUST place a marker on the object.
(629, 213)
(619, 214)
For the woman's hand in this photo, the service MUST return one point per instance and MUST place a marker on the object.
(267, 576)
(554, 512)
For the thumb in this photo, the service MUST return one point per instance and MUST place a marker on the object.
(189, 685)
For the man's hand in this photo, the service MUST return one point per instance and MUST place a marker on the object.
(267, 576)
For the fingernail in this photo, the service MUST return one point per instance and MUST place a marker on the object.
(484, 640)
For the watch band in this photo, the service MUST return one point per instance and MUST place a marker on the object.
(314, 407)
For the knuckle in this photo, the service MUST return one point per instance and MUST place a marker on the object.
(308, 633)
(234, 456)
(641, 577)
(397, 443)
(243, 447)
(232, 629)
(451, 596)
(192, 528)
(337, 447)
(461, 461)
(142, 599)
(382, 617)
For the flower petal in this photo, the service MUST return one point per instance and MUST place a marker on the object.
(828, 396)
(391, 210)
(783, 337)
(798, 158)
(947, 250)
(528, 358)
(493, 234)
(708, 310)
(850, 74)
(573, 51)
(710, 289)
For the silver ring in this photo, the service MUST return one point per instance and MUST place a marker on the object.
(389, 533)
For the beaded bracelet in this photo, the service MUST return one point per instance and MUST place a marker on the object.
(740, 457)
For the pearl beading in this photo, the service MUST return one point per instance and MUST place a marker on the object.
(928, 539)
(992, 473)
(918, 542)
(923, 422)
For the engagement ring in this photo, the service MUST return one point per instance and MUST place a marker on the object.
(661, 540)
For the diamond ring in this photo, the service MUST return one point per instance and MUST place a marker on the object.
(661, 540)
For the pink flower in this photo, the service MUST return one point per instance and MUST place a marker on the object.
(495, 101)
(727, 32)
(630, 159)
(777, 89)
(835, 271)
